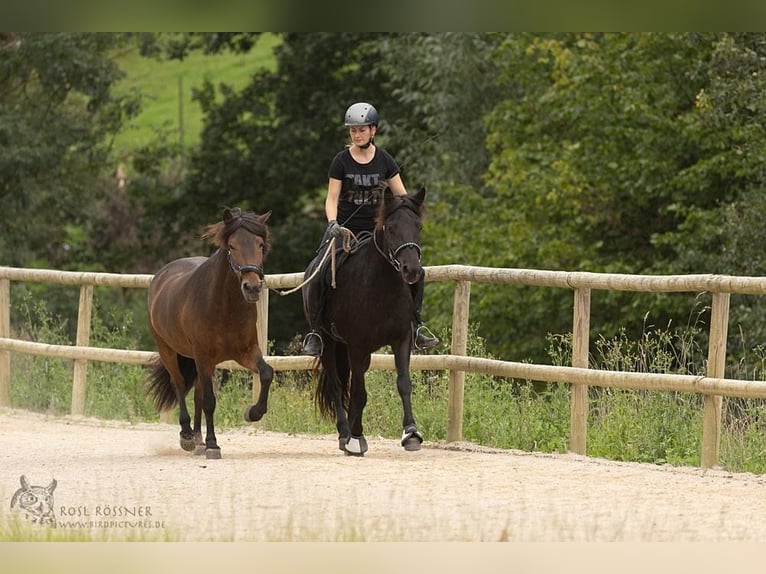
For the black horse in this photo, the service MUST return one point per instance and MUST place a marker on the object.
(370, 307)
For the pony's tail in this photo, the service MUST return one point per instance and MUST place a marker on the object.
(161, 387)
(324, 396)
(329, 388)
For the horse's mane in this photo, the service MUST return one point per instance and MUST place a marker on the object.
(219, 233)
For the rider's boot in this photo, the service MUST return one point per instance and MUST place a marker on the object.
(312, 344)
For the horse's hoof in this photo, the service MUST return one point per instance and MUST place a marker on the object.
(213, 453)
(253, 414)
(411, 438)
(355, 446)
(411, 445)
(188, 444)
(199, 449)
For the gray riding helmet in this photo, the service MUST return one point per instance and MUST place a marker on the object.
(361, 114)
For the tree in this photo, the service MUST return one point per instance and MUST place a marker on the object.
(57, 112)
(621, 154)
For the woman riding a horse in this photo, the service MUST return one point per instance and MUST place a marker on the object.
(357, 177)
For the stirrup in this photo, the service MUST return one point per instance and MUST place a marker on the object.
(429, 339)
(308, 339)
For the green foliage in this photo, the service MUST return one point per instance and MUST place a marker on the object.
(42, 384)
(56, 113)
(645, 426)
(615, 153)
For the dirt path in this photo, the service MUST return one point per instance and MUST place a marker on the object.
(124, 480)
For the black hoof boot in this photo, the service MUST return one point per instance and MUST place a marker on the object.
(411, 438)
(355, 446)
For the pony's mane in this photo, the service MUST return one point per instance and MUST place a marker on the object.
(219, 233)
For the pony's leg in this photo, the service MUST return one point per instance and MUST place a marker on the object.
(266, 374)
(205, 380)
(199, 444)
(187, 434)
(169, 358)
(357, 444)
(411, 437)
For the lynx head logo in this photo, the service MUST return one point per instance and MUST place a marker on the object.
(35, 502)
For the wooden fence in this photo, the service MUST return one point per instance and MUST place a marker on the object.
(713, 386)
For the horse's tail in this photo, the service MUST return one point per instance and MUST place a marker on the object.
(329, 388)
(161, 387)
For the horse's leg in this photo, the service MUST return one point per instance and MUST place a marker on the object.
(170, 359)
(411, 438)
(357, 444)
(199, 444)
(187, 434)
(205, 380)
(266, 374)
(335, 365)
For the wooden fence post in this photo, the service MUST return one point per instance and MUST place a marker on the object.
(5, 331)
(716, 367)
(459, 347)
(578, 406)
(84, 315)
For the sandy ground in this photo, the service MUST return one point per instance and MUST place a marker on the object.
(121, 480)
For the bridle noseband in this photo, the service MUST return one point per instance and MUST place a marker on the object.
(392, 253)
(240, 269)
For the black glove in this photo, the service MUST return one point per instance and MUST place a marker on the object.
(333, 229)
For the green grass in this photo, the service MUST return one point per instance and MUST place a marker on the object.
(166, 87)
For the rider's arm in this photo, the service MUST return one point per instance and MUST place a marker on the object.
(396, 185)
(331, 201)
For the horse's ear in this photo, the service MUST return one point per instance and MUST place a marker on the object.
(264, 217)
(420, 196)
(52, 486)
(230, 214)
(25, 482)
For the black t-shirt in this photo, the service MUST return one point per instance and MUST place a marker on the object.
(362, 187)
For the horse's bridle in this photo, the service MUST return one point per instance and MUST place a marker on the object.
(392, 253)
(240, 269)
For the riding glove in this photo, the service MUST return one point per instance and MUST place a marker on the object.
(333, 229)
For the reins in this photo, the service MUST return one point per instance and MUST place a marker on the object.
(350, 244)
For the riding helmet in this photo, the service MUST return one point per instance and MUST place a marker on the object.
(361, 114)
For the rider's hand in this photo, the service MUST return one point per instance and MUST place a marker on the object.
(333, 229)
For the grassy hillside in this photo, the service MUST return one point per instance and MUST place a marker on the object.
(167, 89)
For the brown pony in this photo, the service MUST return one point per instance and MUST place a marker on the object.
(202, 312)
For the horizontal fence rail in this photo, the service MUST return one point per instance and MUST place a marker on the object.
(712, 386)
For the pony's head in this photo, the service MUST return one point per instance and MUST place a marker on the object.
(245, 239)
(399, 219)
